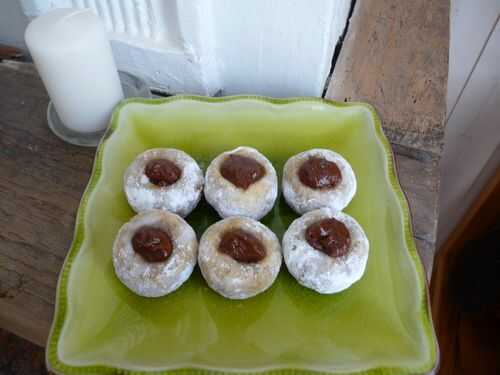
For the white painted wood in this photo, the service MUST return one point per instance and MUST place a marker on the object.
(472, 137)
(275, 47)
(33, 8)
(146, 40)
(150, 24)
(267, 47)
(197, 30)
(471, 22)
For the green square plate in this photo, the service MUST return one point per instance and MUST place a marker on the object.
(381, 325)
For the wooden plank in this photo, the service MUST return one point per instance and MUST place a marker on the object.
(419, 179)
(41, 185)
(19, 356)
(395, 56)
(7, 52)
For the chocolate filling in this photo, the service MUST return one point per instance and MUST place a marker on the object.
(329, 236)
(242, 246)
(319, 173)
(162, 172)
(241, 171)
(153, 244)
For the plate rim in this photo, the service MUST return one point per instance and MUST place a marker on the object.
(56, 365)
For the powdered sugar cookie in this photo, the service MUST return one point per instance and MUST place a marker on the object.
(326, 250)
(318, 178)
(166, 179)
(239, 257)
(241, 182)
(155, 253)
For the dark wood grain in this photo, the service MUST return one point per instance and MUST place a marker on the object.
(8, 52)
(41, 185)
(420, 182)
(20, 357)
(467, 327)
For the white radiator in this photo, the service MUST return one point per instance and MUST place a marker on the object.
(150, 22)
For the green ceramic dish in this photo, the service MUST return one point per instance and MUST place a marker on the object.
(381, 325)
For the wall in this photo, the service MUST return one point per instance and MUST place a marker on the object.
(146, 40)
(12, 24)
(472, 137)
(268, 47)
(287, 44)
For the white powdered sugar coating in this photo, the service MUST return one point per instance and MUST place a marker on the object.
(159, 278)
(180, 198)
(302, 198)
(229, 200)
(229, 277)
(316, 270)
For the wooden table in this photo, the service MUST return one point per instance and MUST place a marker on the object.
(394, 56)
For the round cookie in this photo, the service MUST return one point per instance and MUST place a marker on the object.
(239, 257)
(155, 253)
(241, 182)
(326, 250)
(318, 178)
(163, 178)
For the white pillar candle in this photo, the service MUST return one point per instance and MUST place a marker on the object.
(73, 57)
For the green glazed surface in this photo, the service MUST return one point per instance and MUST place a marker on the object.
(380, 325)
